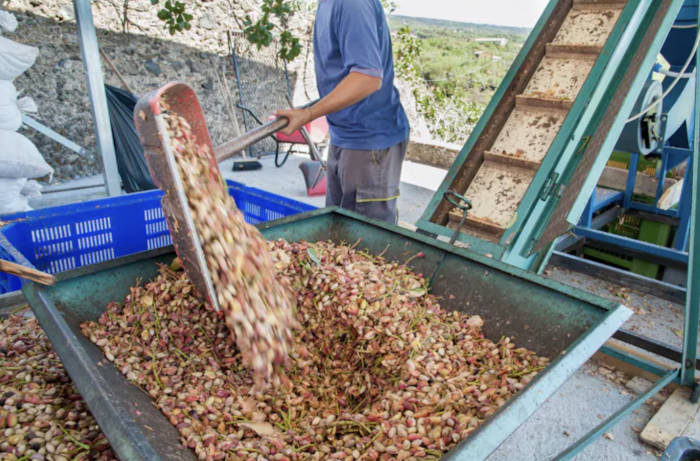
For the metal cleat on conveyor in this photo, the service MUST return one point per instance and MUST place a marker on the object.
(544, 139)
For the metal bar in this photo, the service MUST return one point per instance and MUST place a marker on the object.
(675, 222)
(96, 91)
(65, 142)
(666, 351)
(234, 146)
(621, 277)
(645, 256)
(692, 303)
(652, 209)
(634, 361)
(661, 176)
(631, 180)
(657, 250)
(591, 437)
(587, 217)
(685, 212)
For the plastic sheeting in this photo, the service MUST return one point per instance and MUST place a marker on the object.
(130, 160)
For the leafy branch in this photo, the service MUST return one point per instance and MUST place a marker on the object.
(174, 16)
(449, 118)
(259, 32)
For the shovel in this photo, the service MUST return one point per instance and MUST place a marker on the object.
(314, 171)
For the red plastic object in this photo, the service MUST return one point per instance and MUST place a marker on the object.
(319, 190)
(318, 129)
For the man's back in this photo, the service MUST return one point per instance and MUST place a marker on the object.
(353, 36)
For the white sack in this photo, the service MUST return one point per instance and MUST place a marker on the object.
(10, 118)
(32, 189)
(19, 157)
(672, 196)
(15, 58)
(27, 105)
(11, 198)
(8, 21)
(8, 93)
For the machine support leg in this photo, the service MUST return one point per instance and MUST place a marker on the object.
(96, 92)
(692, 302)
(609, 423)
(631, 181)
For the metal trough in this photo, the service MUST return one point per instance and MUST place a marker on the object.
(554, 320)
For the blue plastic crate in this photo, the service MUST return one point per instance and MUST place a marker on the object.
(66, 237)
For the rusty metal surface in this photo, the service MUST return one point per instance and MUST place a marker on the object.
(487, 137)
(558, 224)
(151, 127)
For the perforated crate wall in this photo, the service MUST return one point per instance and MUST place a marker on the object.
(64, 238)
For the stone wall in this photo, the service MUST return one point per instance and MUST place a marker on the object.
(433, 153)
(147, 57)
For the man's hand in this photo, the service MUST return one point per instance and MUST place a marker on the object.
(353, 89)
(297, 119)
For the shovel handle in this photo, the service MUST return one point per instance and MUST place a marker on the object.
(234, 146)
(305, 134)
(27, 273)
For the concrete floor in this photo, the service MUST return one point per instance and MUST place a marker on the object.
(579, 405)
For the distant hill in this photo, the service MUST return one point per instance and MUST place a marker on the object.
(475, 30)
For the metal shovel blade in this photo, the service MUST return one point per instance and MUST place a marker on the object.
(152, 129)
(314, 177)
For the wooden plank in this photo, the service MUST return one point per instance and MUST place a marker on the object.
(671, 420)
(616, 179)
(639, 385)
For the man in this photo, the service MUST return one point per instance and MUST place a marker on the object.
(368, 126)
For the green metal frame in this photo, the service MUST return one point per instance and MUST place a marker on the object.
(533, 214)
(544, 210)
(424, 223)
(498, 291)
(692, 302)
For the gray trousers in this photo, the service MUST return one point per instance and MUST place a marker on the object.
(366, 181)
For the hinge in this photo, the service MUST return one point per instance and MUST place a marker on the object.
(549, 186)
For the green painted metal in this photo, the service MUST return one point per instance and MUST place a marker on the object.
(512, 301)
(424, 222)
(570, 139)
(608, 258)
(588, 125)
(482, 247)
(636, 362)
(534, 214)
(609, 423)
(625, 110)
(651, 232)
(692, 303)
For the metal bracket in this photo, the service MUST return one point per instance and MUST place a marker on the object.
(48, 132)
(549, 186)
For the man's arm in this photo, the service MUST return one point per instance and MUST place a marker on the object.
(351, 90)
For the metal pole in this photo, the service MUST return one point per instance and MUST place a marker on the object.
(692, 302)
(96, 91)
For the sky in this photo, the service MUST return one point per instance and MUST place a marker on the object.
(517, 13)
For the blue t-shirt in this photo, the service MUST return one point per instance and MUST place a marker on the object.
(353, 36)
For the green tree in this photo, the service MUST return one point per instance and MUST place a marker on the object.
(275, 15)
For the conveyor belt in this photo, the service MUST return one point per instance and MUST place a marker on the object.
(515, 156)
